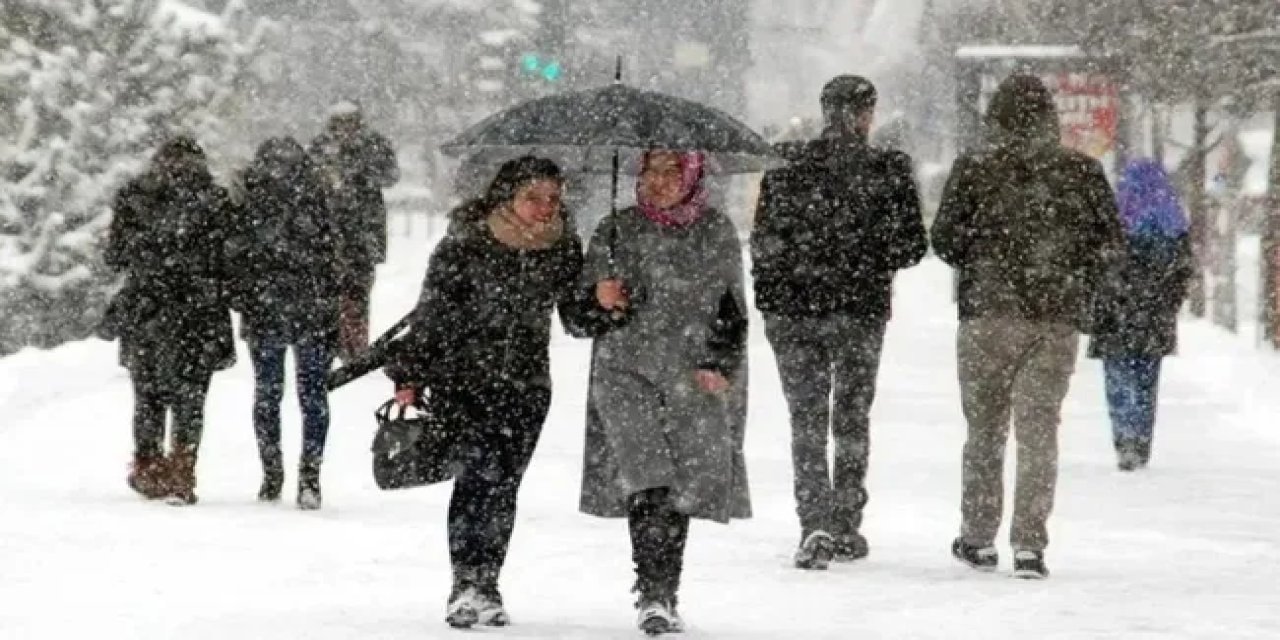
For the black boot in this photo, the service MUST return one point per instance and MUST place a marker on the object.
(309, 484)
(272, 473)
(658, 535)
(1144, 452)
(1127, 458)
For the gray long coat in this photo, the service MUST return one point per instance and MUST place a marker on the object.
(648, 423)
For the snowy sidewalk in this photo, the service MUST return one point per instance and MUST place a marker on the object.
(1187, 549)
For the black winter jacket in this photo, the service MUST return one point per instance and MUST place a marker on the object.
(970, 235)
(173, 317)
(357, 170)
(484, 315)
(833, 226)
(1136, 312)
(285, 257)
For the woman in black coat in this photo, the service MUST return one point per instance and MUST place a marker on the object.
(478, 343)
(1137, 309)
(172, 315)
(285, 259)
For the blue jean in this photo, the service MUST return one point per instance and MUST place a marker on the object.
(1132, 390)
(312, 365)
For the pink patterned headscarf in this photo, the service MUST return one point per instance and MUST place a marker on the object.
(693, 200)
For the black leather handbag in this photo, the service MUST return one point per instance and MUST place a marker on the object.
(413, 447)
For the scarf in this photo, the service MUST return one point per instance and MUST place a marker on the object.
(693, 200)
(515, 233)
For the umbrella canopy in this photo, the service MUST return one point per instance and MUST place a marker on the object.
(583, 129)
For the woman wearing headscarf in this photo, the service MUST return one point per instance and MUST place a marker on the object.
(173, 318)
(667, 398)
(287, 289)
(478, 343)
(1137, 309)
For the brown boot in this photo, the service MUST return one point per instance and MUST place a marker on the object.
(182, 478)
(149, 476)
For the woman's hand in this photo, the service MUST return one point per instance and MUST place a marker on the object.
(406, 396)
(711, 381)
(611, 295)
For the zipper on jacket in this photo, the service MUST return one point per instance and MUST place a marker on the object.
(511, 330)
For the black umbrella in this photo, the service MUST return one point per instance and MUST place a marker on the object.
(596, 130)
(587, 129)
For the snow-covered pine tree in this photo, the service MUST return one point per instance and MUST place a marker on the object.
(87, 89)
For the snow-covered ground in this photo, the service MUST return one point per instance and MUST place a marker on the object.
(1188, 549)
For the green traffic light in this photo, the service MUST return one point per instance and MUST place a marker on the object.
(549, 70)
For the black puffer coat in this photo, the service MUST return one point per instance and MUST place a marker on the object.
(1136, 314)
(357, 168)
(833, 227)
(484, 315)
(167, 236)
(285, 254)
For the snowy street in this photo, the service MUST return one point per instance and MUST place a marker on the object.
(1187, 549)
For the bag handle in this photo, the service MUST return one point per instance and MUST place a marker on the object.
(383, 412)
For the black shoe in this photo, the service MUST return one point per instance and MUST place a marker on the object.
(850, 547)
(272, 485)
(979, 558)
(815, 552)
(1029, 565)
(309, 485)
(1127, 456)
(1144, 453)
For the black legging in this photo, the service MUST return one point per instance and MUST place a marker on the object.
(658, 535)
(502, 424)
(153, 397)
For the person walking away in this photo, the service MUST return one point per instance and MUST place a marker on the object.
(172, 316)
(832, 228)
(358, 164)
(478, 344)
(1030, 226)
(667, 397)
(1137, 310)
(287, 290)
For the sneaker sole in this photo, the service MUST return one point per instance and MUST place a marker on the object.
(982, 568)
(463, 618)
(499, 619)
(656, 626)
(1029, 575)
(814, 565)
(847, 558)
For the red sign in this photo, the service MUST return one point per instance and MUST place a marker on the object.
(1089, 107)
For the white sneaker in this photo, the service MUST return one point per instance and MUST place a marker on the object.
(309, 500)
(464, 610)
(654, 618)
(489, 610)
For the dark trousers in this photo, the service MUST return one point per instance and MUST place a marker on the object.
(500, 425)
(312, 360)
(828, 365)
(353, 314)
(154, 397)
(1132, 392)
(658, 536)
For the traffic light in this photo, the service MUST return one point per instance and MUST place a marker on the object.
(545, 68)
